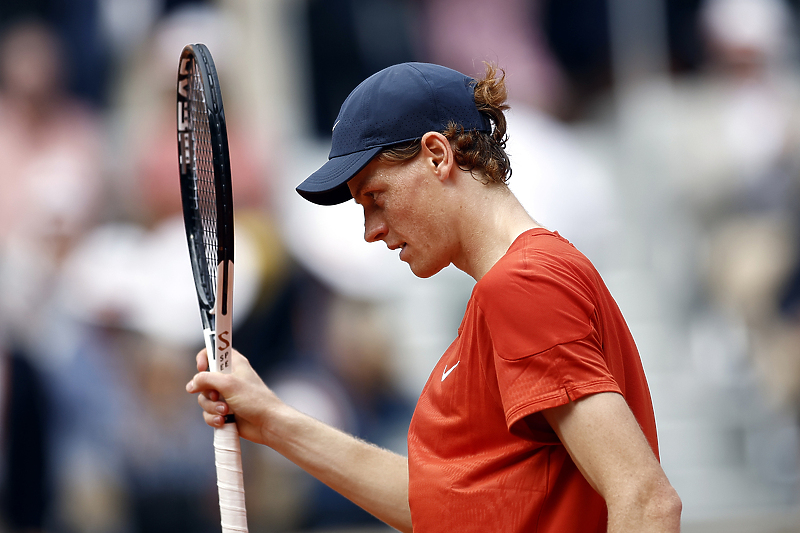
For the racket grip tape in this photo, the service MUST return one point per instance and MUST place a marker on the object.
(228, 456)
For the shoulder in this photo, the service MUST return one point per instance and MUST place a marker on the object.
(542, 287)
(537, 260)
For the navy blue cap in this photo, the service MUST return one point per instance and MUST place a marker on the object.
(398, 104)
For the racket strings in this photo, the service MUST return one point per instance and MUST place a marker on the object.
(204, 184)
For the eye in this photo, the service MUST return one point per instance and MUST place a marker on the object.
(372, 195)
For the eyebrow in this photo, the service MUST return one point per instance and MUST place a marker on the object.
(357, 193)
(358, 190)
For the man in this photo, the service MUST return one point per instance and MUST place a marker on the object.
(538, 416)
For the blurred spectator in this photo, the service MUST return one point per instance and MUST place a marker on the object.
(97, 36)
(578, 32)
(348, 382)
(738, 135)
(739, 119)
(348, 40)
(86, 51)
(147, 171)
(78, 27)
(505, 32)
(144, 108)
(51, 153)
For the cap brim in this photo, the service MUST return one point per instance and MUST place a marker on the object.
(328, 185)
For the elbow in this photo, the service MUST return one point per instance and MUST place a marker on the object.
(665, 506)
(655, 506)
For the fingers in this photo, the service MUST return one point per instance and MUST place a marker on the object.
(205, 384)
(213, 406)
(202, 360)
(214, 409)
(213, 420)
(213, 387)
(200, 384)
(204, 381)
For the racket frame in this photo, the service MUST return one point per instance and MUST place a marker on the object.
(215, 297)
(215, 303)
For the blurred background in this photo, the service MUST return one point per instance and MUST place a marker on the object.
(662, 137)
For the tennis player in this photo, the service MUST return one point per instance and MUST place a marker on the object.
(538, 416)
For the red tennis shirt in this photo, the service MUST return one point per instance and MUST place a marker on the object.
(540, 330)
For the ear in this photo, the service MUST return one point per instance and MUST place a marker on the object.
(437, 154)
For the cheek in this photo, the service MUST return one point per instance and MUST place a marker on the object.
(410, 223)
(413, 210)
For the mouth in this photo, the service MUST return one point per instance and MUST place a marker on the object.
(401, 246)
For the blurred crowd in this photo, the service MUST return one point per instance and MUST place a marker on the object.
(661, 137)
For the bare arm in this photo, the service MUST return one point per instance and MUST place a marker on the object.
(608, 446)
(373, 478)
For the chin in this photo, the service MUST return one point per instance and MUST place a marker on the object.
(425, 271)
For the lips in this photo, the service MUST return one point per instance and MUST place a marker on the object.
(399, 246)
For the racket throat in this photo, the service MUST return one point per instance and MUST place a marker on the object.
(224, 317)
(217, 337)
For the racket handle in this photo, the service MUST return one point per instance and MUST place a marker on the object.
(230, 482)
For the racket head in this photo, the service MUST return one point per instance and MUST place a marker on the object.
(205, 177)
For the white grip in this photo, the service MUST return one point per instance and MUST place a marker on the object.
(229, 479)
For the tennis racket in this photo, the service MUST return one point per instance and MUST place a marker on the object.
(208, 216)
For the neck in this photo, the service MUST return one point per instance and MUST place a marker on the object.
(494, 219)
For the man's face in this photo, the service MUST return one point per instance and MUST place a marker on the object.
(404, 207)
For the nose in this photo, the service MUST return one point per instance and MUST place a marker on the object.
(375, 228)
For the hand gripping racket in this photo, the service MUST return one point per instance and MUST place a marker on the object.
(208, 216)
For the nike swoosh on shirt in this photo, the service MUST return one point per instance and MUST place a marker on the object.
(447, 372)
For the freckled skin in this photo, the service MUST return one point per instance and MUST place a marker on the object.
(404, 206)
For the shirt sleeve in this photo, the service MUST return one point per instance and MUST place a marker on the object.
(547, 347)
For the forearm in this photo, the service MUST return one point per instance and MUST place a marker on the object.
(373, 478)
